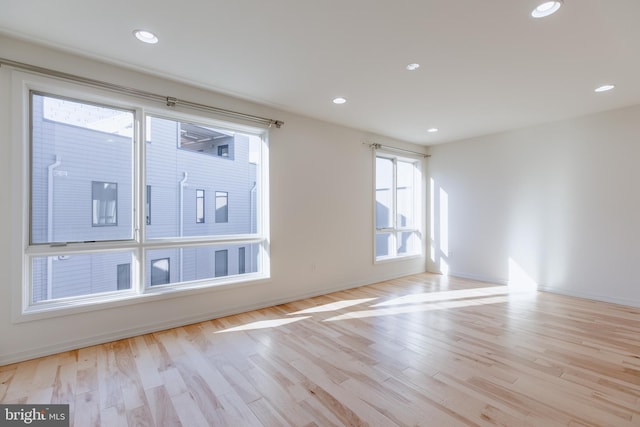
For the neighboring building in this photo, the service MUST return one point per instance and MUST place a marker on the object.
(200, 181)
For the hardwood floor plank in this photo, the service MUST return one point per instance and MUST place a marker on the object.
(87, 411)
(188, 411)
(6, 376)
(20, 385)
(423, 350)
(161, 407)
(145, 364)
(268, 415)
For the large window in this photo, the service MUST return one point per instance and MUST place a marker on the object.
(89, 200)
(398, 214)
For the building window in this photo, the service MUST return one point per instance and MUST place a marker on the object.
(222, 206)
(147, 206)
(242, 262)
(104, 203)
(222, 263)
(124, 276)
(199, 206)
(160, 274)
(85, 149)
(398, 213)
(206, 140)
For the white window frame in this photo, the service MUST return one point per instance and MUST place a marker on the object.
(23, 83)
(418, 213)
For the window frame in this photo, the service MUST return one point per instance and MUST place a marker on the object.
(418, 208)
(23, 309)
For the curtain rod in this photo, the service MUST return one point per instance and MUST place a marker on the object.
(386, 147)
(168, 100)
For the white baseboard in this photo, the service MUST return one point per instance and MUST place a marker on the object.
(550, 289)
(590, 296)
(8, 358)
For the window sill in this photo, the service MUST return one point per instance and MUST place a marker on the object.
(70, 306)
(385, 260)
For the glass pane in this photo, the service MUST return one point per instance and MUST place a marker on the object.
(222, 263)
(202, 262)
(405, 195)
(81, 171)
(104, 203)
(383, 244)
(160, 271)
(222, 206)
(183, 158)
(384, 192)
(200, 206)
(75, 275)
(408, 243)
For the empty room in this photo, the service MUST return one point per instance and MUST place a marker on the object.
(296, 213)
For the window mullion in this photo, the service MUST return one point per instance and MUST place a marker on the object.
(140, 194)
(394, 192)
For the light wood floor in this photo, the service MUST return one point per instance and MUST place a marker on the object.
(422, 350)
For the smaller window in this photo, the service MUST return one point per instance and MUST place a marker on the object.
(397, 208)
(199, 206)
(221, 263)
(160, 274)
(222, 206)
(223, 150)
(104, 203)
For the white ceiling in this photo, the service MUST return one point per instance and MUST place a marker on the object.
(486, 65)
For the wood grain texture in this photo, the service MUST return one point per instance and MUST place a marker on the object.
(421, 350)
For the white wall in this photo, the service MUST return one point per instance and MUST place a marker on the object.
(321, 219)
(558, 203)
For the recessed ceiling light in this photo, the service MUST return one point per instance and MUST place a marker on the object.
(432, 130)
(339, 100)
(604, 88)
(146, 36)
(547, 8)
(413, 67)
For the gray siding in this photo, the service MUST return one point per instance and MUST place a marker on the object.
(87, 155)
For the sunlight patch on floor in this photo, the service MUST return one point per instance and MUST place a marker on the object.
(445, 296)
(264, 324)
(333, 306)
(416, 308)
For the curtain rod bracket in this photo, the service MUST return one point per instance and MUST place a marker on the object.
(171, 101)
(377, 146)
